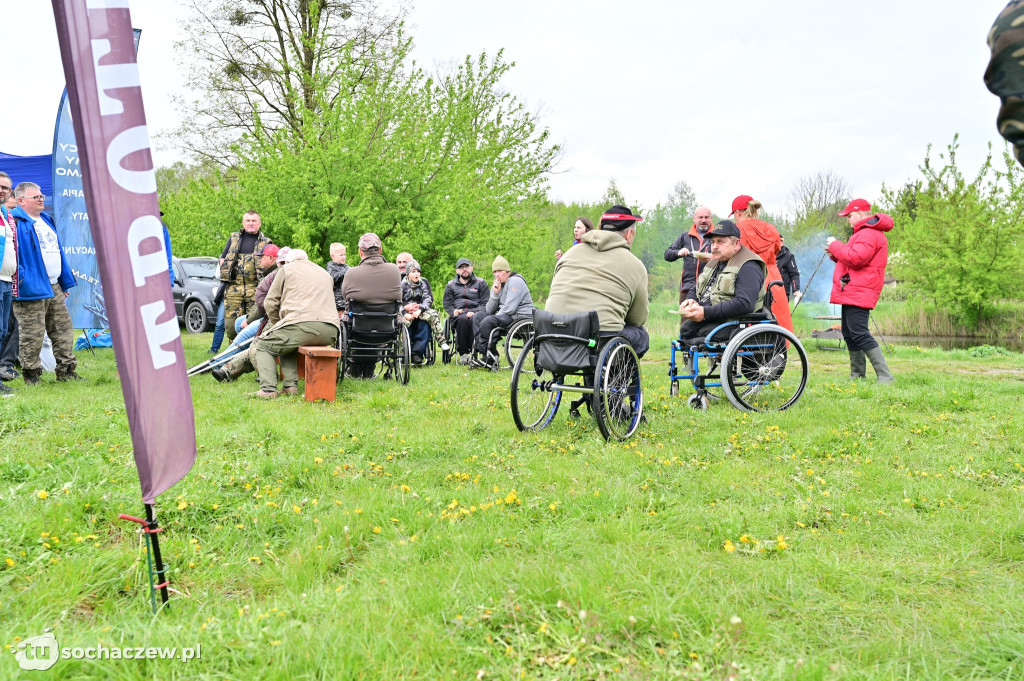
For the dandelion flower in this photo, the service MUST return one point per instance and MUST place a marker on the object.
(729, 546)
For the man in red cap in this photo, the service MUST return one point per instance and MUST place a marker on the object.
(857, 283)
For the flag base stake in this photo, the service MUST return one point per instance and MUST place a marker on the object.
(151, 529)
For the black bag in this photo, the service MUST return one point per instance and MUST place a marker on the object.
(565, 343)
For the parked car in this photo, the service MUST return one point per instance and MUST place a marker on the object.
(196, 282)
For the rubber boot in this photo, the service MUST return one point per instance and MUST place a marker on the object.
(878, 362)
(857, 364)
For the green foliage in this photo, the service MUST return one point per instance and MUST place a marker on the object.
(441, 167)
(959, 241)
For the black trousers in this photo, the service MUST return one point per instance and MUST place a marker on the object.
(463, 333)
(9, 347)
(636, 336)
(488, 324)
(855, 328)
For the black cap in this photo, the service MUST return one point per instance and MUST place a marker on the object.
(462, 261)
(724, 228)
(618, 218)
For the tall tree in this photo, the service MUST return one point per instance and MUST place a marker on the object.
(271, 64)
(814, 202)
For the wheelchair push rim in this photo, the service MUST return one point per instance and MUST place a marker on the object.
(619, 395)
(534, 405)
(764, 369)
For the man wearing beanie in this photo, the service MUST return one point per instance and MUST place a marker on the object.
(509, 302)
(602, 274)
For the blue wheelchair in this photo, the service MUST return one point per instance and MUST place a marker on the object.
(759, 365)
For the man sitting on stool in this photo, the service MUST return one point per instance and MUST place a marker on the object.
(731, 285)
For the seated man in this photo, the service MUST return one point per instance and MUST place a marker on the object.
(402, 261)
(465, 296)
(601, 274)
(337, 269)
(509, 302)
(300, 311)
(417, 312)
(234, 364)
(731, 285)
(372, 282)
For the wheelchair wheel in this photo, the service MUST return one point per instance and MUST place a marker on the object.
(343, 360)
(673, 388)
(698, 402)
(764, 368)
(533, 407)
(618, 395)
(449, 335)
(431, 355)
(403, 357)
(518, 334)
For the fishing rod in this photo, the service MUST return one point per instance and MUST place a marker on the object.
(807, 286)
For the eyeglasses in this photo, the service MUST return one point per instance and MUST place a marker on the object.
(37, 197)
(5, 187)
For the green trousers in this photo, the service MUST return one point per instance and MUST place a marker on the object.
(284, 342)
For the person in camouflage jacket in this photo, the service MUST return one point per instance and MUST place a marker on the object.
(240, 269)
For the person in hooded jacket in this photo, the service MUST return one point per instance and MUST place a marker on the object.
(509, 302)
(602, 274)
(857, 283)
(765, 241)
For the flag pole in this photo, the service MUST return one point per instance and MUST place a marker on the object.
(154, 562)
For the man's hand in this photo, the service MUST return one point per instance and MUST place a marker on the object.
(797, 295)
(457, 312)
(244, 323)
(558, 254)
(66, 294)
(412, 307)
(828, 242)
(683, 252)
(496, 289)
(691, 309)
(470, 314)
(409, 317)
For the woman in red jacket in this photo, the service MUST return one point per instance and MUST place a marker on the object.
(764, 240)
(857, 282)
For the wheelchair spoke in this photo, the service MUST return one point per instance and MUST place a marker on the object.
(619, 398)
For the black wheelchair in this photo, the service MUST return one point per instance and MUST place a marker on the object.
(759, 365)
(516, 335)
(430, 350)
(375, 335)
(568, 354)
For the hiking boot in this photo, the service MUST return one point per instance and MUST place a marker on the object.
(293, 390)
(67, 375)
(221, 375)
(8, 374)
(6, 391)
(31, 376)
(417, 359)
(263, 394)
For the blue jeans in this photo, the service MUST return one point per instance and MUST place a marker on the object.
(243, 335)
(218, 331)
(6, 299)
(419, 336)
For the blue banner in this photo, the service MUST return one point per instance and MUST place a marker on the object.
(71, 215)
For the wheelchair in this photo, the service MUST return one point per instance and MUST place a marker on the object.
(375, 333)
(516, 336)
(430, 351)
(567, 354)
(759, 365)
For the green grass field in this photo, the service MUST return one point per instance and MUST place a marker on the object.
(868, 533)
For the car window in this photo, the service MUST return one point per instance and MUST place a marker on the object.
(201, 269)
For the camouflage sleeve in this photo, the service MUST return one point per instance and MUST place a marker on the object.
(1004, 76)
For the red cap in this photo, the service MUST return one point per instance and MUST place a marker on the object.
(269, 250)
(740, 203)
(855, 205)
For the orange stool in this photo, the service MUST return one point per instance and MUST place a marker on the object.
(321, 372)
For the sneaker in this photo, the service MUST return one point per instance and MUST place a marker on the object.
(263, 394)
(445, 347)
(221, 375)
(417, 359)
(6, 391)
(465, 359)
(8, 373)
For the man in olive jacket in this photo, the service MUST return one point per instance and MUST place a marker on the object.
(300, 311)
(600, 273)
(731, 285)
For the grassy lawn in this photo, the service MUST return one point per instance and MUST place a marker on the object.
(869, 533)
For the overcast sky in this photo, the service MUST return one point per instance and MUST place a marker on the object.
(740, 97)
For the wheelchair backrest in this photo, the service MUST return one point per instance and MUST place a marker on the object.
(373, 319)
(565, 343)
